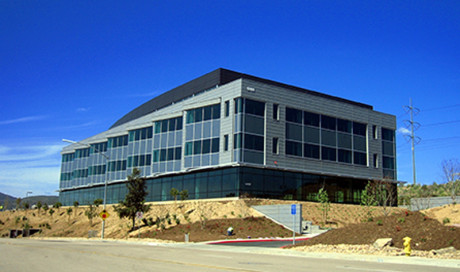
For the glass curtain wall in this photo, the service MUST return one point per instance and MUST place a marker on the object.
(167, 145)
(322, 137)
(202, 136)
(248, 139)
(233, 182)
(388, 150)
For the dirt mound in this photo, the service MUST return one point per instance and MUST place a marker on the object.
(251, 227)
(426, 233)
(448, 214)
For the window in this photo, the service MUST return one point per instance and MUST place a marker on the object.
(375, 132)
(206, 146)
(293, 148)
(253, 142)
(328, 122)
(293, 115)
(376, 161)
(275, 146)
(140, 134)
(344, 125)
(344, 156)
(227, 108)
(359, 158)
(328, 154)
(202, 114)
(254, 107)
(388, 134)
(276, 109)
(359, 129)
(311, 119)
(207, 113)
(226, 142)
(388, 163)
(311, 151)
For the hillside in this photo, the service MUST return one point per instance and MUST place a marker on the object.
(77, 224)
(10, 201)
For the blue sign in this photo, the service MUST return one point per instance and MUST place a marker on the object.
(293, 208)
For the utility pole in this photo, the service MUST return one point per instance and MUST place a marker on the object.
(412, 125)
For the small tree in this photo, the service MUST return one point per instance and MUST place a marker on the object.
(323, 199)
(18, 203)
(451, 170)
(39, 206)
(368, 200)
(174, 193)
(90, 213)
(134, 199)
(183, 194)
(98, 202)
(26, 206)
(51, 212)
(57, 205)
(76, 204)
(45, 207)
(69, 212)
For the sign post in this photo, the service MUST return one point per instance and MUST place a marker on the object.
(293, 212)
(139, 216)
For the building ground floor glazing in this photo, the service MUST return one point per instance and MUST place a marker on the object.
(240, 181)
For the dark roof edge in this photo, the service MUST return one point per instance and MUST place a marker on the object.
(210, 80)
(303, 90)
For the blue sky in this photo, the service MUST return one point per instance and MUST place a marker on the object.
(70, 69)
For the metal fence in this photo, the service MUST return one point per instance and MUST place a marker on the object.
(417, 204)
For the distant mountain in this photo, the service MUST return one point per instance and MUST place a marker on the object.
(10, 201)
(32, 200)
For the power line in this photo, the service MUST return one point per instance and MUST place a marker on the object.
(442, 123)
(442, 108)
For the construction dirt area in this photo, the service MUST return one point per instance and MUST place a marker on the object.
(208, 220)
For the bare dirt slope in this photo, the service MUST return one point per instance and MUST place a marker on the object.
(447, 213)
(177, 218)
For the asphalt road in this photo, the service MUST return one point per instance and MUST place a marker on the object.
(71, 256)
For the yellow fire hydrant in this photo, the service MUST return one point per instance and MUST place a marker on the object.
(406, 245)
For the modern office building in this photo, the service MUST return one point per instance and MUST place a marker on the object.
(228, 134)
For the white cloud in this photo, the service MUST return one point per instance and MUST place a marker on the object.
(403, 131)
(28, 153)
(82, 109)
(23, 120)
(30, 168)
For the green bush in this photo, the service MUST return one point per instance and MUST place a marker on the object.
(446, 221)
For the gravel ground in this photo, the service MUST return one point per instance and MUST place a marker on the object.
(370, 250)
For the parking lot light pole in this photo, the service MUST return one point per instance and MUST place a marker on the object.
(106, 177)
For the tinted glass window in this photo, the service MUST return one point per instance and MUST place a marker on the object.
(328, 122)
(344, 125)
(311, 151)
(359, 158)
(388, 134)
(293, 148)
(294, 132)
(207, 113)
(293, 115)
(206, 146)
(311, 119)
(254, 107)
(344, 156)
(359, 129)
(328, 154)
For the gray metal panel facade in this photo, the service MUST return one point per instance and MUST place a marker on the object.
(241, 85)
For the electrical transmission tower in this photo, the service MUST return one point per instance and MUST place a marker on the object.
(413, 126)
